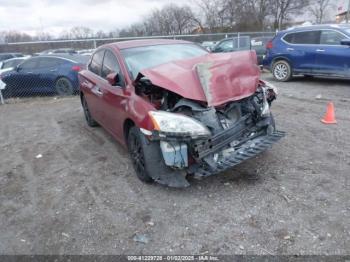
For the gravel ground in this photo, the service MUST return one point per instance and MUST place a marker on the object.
(82, 195)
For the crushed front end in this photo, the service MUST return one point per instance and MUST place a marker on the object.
(201, 140)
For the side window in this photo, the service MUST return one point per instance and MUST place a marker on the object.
(308, 37)
(110, 64)
(47, 62)
(96, 63)
(330, 37)
(30, 64)
(226, 45)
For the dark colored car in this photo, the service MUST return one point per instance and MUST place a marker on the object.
(232, 44)
(319, 50)
(5, 56)
(11, 63)
(258, 44)
(44, 75)
(179, 109)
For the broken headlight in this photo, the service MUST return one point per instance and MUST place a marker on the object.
(177, 125)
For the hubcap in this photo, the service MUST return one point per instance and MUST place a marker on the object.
(281, 71)
(63, 86)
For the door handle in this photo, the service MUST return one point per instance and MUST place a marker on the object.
(290, 49)
(53, 70)
(319, 50)
(97, 91)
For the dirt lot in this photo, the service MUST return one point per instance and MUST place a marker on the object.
(82, 196)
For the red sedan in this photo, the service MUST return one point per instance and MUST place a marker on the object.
(179, 109)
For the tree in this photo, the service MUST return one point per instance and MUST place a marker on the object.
(319, 8)
(282, 9)
(81, 32)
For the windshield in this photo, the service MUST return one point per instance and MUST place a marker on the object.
(140, 58)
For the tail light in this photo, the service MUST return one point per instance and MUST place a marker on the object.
(269, 45)
(76, 68)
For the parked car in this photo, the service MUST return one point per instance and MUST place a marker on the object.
(86, 52)
(319, 50)
(258, 44)
(5, 56)
(232, 44)
(58, 51)
(178, 108)
(208, 45)
(10, 64)
(40, 75)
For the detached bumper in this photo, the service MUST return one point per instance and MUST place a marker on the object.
(247, 150)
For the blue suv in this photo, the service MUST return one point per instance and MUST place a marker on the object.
(319, 50)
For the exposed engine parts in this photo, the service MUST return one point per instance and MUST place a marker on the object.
(239, 129)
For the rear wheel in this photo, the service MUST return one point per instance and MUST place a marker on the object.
(90, 121)
(282, 71)
(64, 87)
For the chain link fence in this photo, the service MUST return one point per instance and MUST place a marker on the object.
(50, 68)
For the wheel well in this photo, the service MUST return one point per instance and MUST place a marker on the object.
(81, 97)
(128, 124)
(281, 59)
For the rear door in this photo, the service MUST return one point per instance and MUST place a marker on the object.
(48, 73)
(333, 58)
(301, 50)
(113, 98)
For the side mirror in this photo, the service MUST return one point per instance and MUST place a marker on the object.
(115, 79)
(18, 68)
(345, 42)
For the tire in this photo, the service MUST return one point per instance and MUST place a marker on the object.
(142, 153)
(64, 87)
(89, 119)
(282, 71)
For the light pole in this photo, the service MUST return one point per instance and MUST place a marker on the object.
(347, 12)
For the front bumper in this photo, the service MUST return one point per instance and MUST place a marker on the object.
(245, 151)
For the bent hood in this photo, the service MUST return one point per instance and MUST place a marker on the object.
(213, 78)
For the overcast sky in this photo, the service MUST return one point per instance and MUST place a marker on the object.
(54, 16)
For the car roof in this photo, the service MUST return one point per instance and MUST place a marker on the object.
(316, 27)
(72, 57)
(145, 42)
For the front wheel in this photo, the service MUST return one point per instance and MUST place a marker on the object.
(90, 121)
(282, 71)
(140, 153)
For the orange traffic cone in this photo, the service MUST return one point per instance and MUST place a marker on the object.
(329, 117)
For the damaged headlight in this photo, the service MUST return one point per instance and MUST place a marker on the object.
(176, 124)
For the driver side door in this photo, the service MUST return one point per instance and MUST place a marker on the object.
(114, 98)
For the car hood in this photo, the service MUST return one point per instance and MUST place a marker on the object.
(214, 78)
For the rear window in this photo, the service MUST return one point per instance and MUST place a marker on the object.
(307, 37)
(331, 37)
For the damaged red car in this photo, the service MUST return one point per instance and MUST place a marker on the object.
(179, 109)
